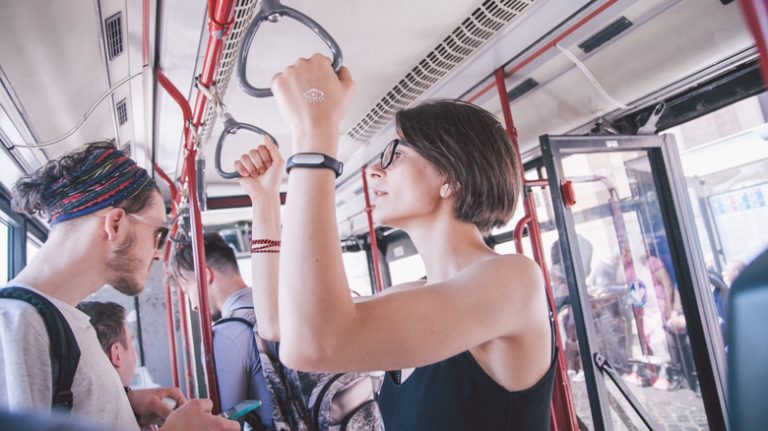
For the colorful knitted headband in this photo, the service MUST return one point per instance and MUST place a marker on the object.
(104, 179)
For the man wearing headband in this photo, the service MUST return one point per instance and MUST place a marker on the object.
(108, 225)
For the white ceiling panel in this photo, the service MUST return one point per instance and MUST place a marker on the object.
(51, 55)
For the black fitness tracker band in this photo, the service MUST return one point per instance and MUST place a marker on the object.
(314, 161)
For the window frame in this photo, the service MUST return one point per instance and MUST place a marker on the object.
(19, 226)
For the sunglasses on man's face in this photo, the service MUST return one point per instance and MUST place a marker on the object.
(161, 231)
(388, 155)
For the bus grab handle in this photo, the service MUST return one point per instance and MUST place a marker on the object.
(231, 126)
(271, 10)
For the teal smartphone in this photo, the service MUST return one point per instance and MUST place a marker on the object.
(241, 409)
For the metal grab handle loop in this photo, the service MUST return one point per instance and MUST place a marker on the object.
(270, 10)
(231, 126)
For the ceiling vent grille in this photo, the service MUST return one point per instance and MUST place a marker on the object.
(122, 111)
(113, 27)
(243, 13)
(481, 25)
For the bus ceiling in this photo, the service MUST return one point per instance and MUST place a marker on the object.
(88, 76)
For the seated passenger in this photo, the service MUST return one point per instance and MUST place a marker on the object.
(107, 221)
(238, 368)
(115, 337)
(477, 329)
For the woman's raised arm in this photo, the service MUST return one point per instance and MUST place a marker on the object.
(261, 171)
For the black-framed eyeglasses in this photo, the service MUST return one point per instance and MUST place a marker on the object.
(388, 155)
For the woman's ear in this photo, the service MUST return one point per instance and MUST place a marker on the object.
(447, 190)
(444, 190)
(113, 223)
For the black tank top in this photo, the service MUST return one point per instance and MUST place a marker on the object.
(457, 394)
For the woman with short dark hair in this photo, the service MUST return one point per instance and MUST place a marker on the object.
(477, 330)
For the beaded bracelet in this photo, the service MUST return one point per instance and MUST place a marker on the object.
(264, 246)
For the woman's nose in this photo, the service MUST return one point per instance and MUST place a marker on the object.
(376, 172)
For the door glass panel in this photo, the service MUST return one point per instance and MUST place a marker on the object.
(631, 283)
(565, 320)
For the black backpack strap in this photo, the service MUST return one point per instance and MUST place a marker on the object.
(319, 399)
(63, 348)
(234, 319)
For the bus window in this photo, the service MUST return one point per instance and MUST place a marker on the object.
(244, 265)
(356, 266)
(725, 161)
(33, 245)
(728, 188)
(4, 251)
(406, 269)
(507, 244)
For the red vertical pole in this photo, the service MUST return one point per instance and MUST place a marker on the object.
(756, 15)
(198, 250)
(168, 296)
(187, 344)
(186, 116)
(218, 23)
(518, 233)
(171, 336)
(372, 233)
(562, 411)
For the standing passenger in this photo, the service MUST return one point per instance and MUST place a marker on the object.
(107, 221)
(115, 337)
(477, 329)
(238, 368)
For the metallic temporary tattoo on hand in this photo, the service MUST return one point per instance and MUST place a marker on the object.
(313, 95)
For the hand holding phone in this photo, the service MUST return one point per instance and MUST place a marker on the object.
(241, 409)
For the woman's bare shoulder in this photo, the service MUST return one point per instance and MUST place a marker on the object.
(512, 264)
(512, 274)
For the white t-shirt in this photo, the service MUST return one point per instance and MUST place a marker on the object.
(25, 367)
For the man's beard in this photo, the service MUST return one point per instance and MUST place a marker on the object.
(125, 267)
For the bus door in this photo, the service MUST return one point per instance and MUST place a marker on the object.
(639, 301)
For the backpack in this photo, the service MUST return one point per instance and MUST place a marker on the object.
(246, 316)
(345, 401)
(63, 347)
(316, 401)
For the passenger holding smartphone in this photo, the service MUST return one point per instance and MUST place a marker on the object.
(476, 330)
(108, 226)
